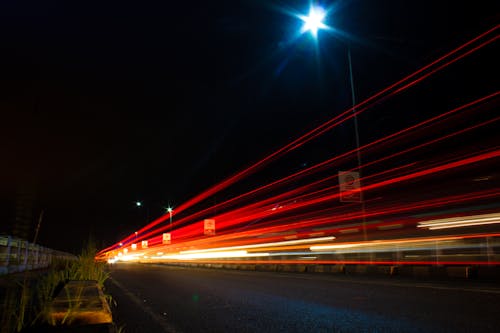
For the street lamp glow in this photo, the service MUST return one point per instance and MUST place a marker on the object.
(170, 210)
(314, 21)
(138, 203)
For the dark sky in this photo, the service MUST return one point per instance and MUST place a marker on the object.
(108, 102)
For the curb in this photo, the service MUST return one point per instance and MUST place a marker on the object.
(80, 302)
(470, 272)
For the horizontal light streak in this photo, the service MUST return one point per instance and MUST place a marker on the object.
(390, 226)
(253, 246)
(383, 242)
(211, 255)
(397, 252)
(349, 231)
(463, 221)
(121, 257)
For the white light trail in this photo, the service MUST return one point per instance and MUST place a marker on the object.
(462, 221)
(253, 246)
(212, 255)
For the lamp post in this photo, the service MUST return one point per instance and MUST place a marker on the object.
(139, 204)
(170, 210)
(312, 23)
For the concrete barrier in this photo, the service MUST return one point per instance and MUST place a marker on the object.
(300, 268)
(463, 272)
(413, 271)
(18, 255)
(337, 269)
(80, 303)
(318, 268)
(285, 268)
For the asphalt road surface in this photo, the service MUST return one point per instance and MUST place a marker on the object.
(158, 298)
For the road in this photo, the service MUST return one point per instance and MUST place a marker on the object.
(157, 298)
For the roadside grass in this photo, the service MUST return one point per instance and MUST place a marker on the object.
(27, 303)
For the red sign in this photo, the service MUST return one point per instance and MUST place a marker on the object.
(209, 227)
(349, 186)
(166, 238)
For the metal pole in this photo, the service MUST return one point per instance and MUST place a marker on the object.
(35, 239)
(356, 131)
(9, 245)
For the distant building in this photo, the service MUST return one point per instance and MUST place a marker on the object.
(23, 226)
(19, 210)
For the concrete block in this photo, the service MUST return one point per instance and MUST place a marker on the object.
(287, 268)
(356, 269)
(458, 271)
(317, 268)
(266, 267)
(80, 303)
(337, 269)
(384, 270)
(300, 268)
(320, 268)
(272, 267)
(394, 270)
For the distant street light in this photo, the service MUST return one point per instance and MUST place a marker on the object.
(139, 204)
(170, 210)
(312, 23)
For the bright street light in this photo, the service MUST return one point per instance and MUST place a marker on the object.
(314, 21)
(138, 203)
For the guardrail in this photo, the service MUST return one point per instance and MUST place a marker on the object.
(18, 255)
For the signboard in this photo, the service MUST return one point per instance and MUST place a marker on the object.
(166, 238)
(349, 186)
(209, 227)
(144, 244)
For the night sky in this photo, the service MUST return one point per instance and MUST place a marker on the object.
(105, 103)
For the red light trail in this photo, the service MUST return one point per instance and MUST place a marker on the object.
(304, 207)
